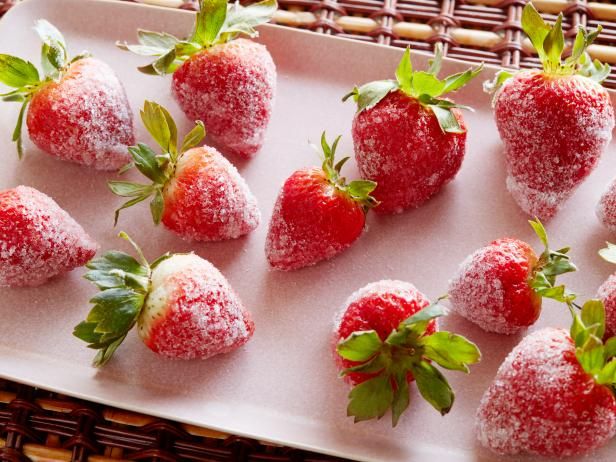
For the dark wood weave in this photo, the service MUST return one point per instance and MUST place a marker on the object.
(39, 425)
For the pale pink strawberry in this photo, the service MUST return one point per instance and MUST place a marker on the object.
(183, 306)
(78, 111)
(38, 239)
(606, 208)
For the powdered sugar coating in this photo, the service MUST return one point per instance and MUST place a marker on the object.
(606, 208)
(379, 306)
(207, 199)
(84, 118)
(607, 294)
(555, 130)
(38, 239)
(312, 221)
(230, 87)
(400, 145)
(192, 311)
(492, 288)
(542, 402)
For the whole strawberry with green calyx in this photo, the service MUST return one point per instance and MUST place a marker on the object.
(225, 81)
(317, 214)
(556, 122)
(76, 111)
(195, 191)
(183, 306)
(407, 136)
(554, 394)
(386, 337)
(500, 286)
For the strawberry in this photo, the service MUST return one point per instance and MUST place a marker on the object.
(78, 111)
(553, 395)
(183, 306)
(317, 214)
(227, 83)
(606, 208)
(38, 239)
(499, 287)
(386, 337)
(556, 122)
(195, 191)
(408, 138)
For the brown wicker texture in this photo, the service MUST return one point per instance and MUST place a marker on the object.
(38, 425)
(42, 426)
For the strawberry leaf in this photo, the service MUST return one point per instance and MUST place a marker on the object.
(128, 189)
(146, 162)
(610, 348)
(436, 63)
(607, 375)
(243, 19)
(446, 119)
(593, 317)
(424, 83)
(156, 206)
(159, 123)
(450, 350)
(401, 398)
(492, 86)
(17, 138)
(17, 73)
(369, 95)
(124, 285)
(457, 81)
(433, 386)
(594, 70)
(554, 43)
(194, 137)
(370, 399)
(210, 19)
(161, 40)
(404, 72)
(360, 346)
(535, 27)
(54, 55)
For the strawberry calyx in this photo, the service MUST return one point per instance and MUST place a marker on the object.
(124, 283)
(216, 23)
(424, 86)
(24, 78)
(549, 42)
(597, 358)
(551, 263)
(358, 190)
(160, 168)
(408, 349)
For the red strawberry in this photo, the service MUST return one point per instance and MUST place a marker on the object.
(38, 239)
(499, 287)
(197, 192)
(406, 137)
(228, 84)
(184, 307)
(555, 123)
(77, 112)
(606, 208)
(607, 292)
(385, 338)
(317, 214)
(552, 396)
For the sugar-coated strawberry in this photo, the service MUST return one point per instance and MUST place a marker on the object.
(226, 82)
(386, 337)
(183, 306)
(408, 138)
(38, 239)
(77, 111)
(553, 396)
(500, 287)
(607, 292)
(317, 214)
(555, 123)
(606, 208)
(197, 193)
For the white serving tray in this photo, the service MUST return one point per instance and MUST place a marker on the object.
(282, 386)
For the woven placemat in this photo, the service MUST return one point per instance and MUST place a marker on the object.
(39, 425)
